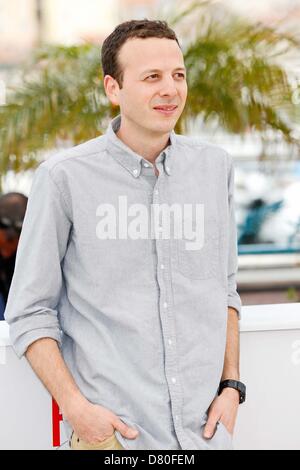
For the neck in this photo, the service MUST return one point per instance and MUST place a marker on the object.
(146, 143)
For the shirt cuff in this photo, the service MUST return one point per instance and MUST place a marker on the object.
(236, 304)
(21, 345)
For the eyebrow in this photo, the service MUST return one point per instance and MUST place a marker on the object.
(157, 70)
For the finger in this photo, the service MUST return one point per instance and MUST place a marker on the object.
(210, 427)
(125, 430)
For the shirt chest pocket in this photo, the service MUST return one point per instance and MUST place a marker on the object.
(202, 262)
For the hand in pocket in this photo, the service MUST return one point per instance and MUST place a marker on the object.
(94, 424)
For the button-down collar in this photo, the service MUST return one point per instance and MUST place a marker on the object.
(131, 160)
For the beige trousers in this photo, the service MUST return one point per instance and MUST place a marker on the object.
(111, 443)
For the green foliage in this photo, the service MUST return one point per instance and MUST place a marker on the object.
(61, 98)
(234, 77)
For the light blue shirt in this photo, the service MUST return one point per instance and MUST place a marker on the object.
(141, 323)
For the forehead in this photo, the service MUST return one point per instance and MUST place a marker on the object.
(157, 53)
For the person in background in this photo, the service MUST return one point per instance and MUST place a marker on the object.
(12, 212)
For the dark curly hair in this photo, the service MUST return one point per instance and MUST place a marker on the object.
(128, 30)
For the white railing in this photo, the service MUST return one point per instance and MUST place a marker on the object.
(270, 366)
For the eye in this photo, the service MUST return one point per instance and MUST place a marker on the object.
(154, 75)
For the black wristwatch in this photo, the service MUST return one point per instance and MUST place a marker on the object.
(239, 386)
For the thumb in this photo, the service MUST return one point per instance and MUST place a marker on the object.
(125, 430)
(210, 427)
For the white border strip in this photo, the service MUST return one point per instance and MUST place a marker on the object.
(270, 317)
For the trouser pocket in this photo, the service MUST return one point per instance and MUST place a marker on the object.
(111, 443)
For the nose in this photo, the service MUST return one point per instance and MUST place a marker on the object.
(168, 87)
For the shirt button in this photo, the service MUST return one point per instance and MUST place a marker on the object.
(135, 172)
(165, 304)
(173, 380)
(162, 266)
(156, 192)
(146, 165)
(168, 169)
(160, 228)
(170, 341)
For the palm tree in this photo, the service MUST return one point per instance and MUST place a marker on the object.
(234, 77)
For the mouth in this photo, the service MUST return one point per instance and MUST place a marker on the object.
(166, 110)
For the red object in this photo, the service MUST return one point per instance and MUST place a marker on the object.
(56, 418)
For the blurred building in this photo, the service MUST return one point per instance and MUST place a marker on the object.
(73, 21)
(25, 24)
(18, 29)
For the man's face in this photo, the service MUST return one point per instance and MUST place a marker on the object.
(153, 76)
(7, 246)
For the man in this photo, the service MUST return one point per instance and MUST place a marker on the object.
(143, 314)
(12, 211)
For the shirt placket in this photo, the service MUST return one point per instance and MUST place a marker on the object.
(166, 311)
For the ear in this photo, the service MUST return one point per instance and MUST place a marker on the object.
(112, 89)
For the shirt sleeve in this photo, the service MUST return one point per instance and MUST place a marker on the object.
(233, 299)
(31, 309)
